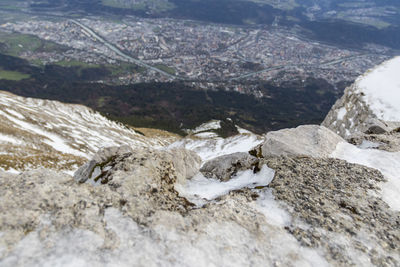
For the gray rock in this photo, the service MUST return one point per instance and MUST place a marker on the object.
(388, 141)
(186, 163)
(102, 166)
(311, 140)
(330, 198)
(351, 115)
(138, 218)
(222, 168)
(102, 161)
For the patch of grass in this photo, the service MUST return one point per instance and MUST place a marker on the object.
(165, 68)
(140, 5)
(124, 68)
(12, 75)
(14, 44)
(75, 63)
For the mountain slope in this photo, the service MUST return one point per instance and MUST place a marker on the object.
(41, 133)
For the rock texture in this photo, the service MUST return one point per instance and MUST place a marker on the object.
(311, 140)
(332, 207)
(351, 114)
(370, 105)
(136, 218)
(222, 168)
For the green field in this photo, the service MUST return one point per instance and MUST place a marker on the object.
(12, 75)
(165, 68)
(12, 4)
(75, 63)
(14, 44)
(153, 5)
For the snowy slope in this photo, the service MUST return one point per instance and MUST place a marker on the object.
(372, 101)
(42, 133)
(381, 89)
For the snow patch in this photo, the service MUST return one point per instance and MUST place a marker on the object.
(212, 125)
(200, 189)
(9, 139)
(274, 214)
(216, 244)
(381, 88)
(341, 113)
(214, 147)
(15, 114)
(368, 144)
(388, 163)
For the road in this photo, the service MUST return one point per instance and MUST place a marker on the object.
(120, 53)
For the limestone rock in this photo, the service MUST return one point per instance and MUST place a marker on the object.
(370, 105)
(222, 168)
(186, 163)
(101, 168)
(311, 140)
(333, 198)
(138, 218)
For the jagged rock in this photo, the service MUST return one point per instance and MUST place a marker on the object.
(102, 161)
(101, 167)
(388, 141)
(135, 218)
(138, 217)
(186, 163)
(330, 198)
(311, 140)
(370, 105)
(224, 167)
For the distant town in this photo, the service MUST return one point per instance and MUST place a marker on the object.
(167, 50)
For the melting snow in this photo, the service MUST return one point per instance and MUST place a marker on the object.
(381, 87)
(200, 189)
(9, 139)
(211, 148)
(388, 163)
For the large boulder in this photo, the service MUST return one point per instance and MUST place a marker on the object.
(371, 105)
(311, 140)
(103, 164)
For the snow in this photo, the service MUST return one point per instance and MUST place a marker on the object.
(15, 114)
(214, 147)
(10, 170)
(200, 189)
(212, 125)
(274, 214)
(381, 88)
(341, 113)
(388, 163)
(9, 139)
(72, 129)
(368, 144)
(51, 139)
(215, 244)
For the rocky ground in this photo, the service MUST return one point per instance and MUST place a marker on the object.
(295, 197)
